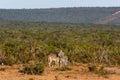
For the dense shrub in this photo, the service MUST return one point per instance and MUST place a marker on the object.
(8, 60)
(92, 68)
(33, 69)
(97, 69)
(2, 69)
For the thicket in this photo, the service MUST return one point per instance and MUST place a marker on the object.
(22, 42)
(33, 69)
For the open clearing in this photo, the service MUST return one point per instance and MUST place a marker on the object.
(79, 72)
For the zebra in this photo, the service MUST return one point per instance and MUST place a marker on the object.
(60, 59)
(64, 61)
(60, 53)
(53, 58)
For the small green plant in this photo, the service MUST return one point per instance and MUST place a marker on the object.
(9, 60)
(31, 79)
(33, 69)
(97, 70)
(101, 71)
(92, 68)
(2, 69)
(65, 68)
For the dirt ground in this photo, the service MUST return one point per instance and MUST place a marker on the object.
(77, 73)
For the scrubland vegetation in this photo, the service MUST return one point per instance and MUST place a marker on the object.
(24, 42)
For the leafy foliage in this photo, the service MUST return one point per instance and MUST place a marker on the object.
(21, 42)
(33, 69)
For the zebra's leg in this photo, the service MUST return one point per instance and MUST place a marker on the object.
(61, 63)
(55, 62)
(66, 61)
(49, 63)
(58, 61)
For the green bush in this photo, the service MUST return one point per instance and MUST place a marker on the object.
(9, 60)
(92, 68)
(31, 79)
(98, 70)
(101, 71)
(33, 69)
(2, 69)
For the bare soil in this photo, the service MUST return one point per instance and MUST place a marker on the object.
(78, 72)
